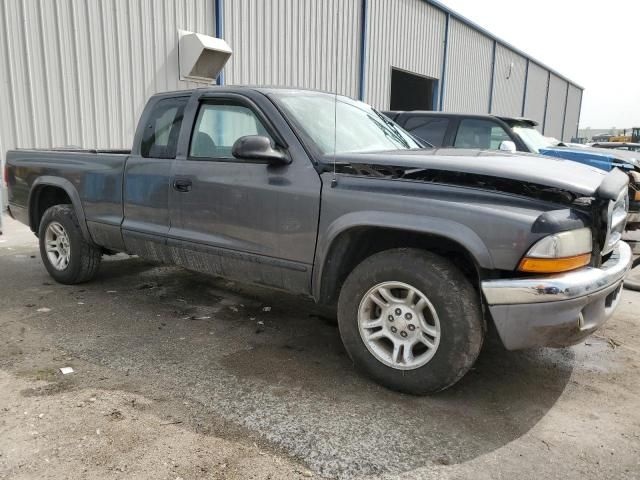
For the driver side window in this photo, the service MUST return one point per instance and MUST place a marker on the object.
(217, 128)
(483, 134)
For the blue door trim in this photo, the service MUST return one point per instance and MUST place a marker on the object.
(219, 11)
(445, 54)
(546, 104)
(363, 47)
(564, 117)
(493, 75)
(526, 81)
(579, 113)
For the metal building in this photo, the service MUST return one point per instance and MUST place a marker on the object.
(78, 72)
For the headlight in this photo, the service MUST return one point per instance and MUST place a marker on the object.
(559, 252)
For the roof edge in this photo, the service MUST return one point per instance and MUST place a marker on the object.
(440, 6)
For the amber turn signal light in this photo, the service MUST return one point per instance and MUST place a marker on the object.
(553, 265)
(636, 197)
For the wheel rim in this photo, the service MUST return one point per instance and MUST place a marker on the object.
(399, 325)
(57, 246)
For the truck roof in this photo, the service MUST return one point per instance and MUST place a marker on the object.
(239, 88)
(504, 118)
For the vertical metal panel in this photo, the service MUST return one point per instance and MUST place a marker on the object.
(469, 67)
(405, 34)
(508, 83)
(306, 43)
(536, 93)
(555, 107)
(76, 72)
(572, 115)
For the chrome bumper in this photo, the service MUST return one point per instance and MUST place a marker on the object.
(565, 286)
(558, 310)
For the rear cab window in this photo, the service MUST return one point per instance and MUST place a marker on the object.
(162, 128)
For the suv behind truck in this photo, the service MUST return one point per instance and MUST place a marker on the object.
(416, 249)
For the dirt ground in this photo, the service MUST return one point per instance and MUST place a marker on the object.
(177, 375)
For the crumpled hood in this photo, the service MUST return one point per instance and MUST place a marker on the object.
(547, 171)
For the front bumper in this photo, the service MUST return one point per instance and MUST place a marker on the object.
(558, 310)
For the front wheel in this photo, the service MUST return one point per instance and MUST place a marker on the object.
(66, 255)
(410, 320)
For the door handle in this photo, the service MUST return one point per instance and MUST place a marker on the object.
(182, 184)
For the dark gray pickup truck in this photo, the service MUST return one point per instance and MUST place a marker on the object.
(417, 249)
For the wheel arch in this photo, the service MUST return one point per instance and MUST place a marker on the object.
(350, 239)
(47, 191)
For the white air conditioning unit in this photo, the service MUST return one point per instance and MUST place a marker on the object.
(202, 57)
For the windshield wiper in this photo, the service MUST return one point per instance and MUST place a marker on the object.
(389, 129)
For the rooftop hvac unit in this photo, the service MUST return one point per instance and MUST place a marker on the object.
(201, 57)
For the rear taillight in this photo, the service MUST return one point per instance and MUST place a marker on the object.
(5, 177)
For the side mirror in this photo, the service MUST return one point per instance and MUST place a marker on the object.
(258, 147)
(507, 146)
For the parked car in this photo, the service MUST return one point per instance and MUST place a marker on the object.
(493, 132)
(416, 249)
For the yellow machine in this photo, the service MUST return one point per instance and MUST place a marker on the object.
(633, 138)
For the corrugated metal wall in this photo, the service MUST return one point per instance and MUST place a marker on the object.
(508, 83)
(407, 34)
(469, 65)
(77, 72)
(536, 93)
(307, 43)
(555, 107)
(572, 115)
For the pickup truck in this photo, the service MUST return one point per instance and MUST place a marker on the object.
(492, 132)
(416, 249)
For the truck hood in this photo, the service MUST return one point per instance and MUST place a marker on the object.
(556, 173)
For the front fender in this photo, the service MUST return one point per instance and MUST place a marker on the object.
(448, 229)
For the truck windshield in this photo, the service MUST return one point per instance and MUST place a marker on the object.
(532, 138)
(350, 126)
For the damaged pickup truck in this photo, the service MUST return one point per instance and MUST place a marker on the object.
(417, 249)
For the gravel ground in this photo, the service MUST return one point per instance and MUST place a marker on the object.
(177, 375)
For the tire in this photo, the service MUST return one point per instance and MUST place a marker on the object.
(452, 322)
(83, 259)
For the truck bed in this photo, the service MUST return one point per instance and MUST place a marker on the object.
(93, 176)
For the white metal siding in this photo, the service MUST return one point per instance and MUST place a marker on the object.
(536, 93)
(508, 83)
(555, 107)
(469, 65)
(76, 72)
(406, 34)
(306, 43)
(572, 115)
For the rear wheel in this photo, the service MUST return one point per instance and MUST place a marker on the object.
(410, 320)
(66, 255)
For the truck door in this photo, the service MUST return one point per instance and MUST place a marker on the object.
(147, 178)
(240, 218)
